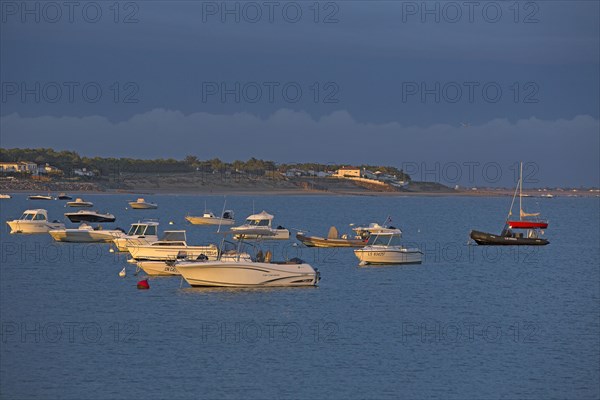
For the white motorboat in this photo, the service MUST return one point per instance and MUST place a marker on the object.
(172, 246)
(85, 234)
(89, 216)
(208, 218)
(169, 267)
(79, 202)
(5, 196)
(261, 223)
(384, 247)
(40, 197)
(140, 233)
(239, 270)
(34, 221)
(373, 228)
(141, 204)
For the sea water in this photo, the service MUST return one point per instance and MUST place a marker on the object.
(470, 322)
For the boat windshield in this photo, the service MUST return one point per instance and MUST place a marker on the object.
(136, 230)
(151, 230)
(27, 216)
(257, 222)
(384, 240)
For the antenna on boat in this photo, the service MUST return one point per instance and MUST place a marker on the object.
(222, 213)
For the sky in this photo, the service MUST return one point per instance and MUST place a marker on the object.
(455, 92)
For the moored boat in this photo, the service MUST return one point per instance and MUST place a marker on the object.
(385, 248)
(142, 204)
(34, 221)
(533, 227)
(5, 196)
(238, 269)
(140, 233)
(209, 218)
(79, 202)
(90, 216)
(85, 234)
(40, 197)
(172, 246)
(64, 196)
(332, 240)
(262, 223)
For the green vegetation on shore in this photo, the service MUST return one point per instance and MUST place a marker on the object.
(68, 161)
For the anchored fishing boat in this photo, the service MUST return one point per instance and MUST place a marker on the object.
(140, 233)
(237, 269)
(384, 247)
(79, 202)
(141, 204)
(89, 216)
(261, 222)
(34, 221)
(533, 227)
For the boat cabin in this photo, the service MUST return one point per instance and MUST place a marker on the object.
(385, 239)
(261, 219)
(228, 214)
(34, 215)
(143, 229)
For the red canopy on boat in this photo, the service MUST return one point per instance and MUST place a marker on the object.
(527, 224)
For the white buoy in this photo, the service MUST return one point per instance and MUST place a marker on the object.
(123, 273)
(171, 223)
(111, 250)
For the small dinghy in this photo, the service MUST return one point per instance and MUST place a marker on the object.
(332, 240)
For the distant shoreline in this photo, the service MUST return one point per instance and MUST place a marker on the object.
(534, 193)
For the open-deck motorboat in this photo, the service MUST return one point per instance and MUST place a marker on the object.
(33, 221)
(89, 216)
(533, 227)
(172, 245)
(237, 269)
(141, 204)
(5, 196)
(85, 234)
(384, 247)
(332, 240)
(140, 233)
(208, 218)
(79, 202)
(262, 223)
(40, 197)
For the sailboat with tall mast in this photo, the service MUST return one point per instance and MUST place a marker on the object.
(533, 227)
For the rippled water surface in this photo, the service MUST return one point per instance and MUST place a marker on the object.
(470, 322)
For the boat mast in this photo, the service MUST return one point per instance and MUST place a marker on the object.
(521, 192)
(512, 204)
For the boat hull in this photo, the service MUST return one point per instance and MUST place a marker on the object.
(158, 268)
(142, 206)
(247, 274)
(122, 243)
(490, 239)
(164, 253)
(31, 227)
(76, 218)
(83, 236)
(315, 241)
(76, 204)
(376, 256)
(209, 221)
(275, 234)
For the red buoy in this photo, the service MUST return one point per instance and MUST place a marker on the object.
(143, 284)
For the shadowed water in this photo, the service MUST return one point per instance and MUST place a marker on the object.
(470, 322)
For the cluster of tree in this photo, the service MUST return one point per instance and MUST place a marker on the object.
(68, 161)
